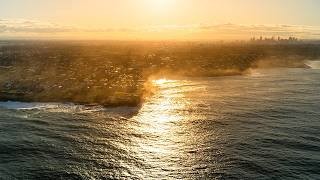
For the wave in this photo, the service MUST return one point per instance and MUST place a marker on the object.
(27, 106)
(66, 108)
(52, 107)
(313, 64)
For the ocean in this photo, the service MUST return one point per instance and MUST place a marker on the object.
(263, 125)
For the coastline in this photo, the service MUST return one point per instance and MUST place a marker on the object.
(117, 74)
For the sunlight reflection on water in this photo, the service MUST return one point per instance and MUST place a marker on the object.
(240, 127)
(160, 119)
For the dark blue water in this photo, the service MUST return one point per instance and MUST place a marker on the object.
(265, 125)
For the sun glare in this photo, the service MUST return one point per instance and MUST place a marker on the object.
(161, 81)
(160, 4)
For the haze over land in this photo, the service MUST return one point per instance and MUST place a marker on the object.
(118, 73)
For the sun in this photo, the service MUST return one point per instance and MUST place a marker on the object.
(160, 4)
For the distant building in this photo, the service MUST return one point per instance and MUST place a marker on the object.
(273, 40)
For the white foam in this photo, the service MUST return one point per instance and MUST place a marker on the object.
(27, 106)
(50, 107)
(61, 107)
(313, 64)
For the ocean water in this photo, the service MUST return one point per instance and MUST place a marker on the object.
(264, 125)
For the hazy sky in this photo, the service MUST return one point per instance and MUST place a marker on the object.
(124, 15)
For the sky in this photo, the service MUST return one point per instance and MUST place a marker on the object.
(159, 19)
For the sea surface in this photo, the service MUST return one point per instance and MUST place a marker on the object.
(263, 125)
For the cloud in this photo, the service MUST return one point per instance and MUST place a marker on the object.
(29, 26)
(260, 29)
(32, 28)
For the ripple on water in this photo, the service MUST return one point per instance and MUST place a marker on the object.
(244, 127)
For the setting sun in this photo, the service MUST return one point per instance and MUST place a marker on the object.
(160, 4)
(160, 7)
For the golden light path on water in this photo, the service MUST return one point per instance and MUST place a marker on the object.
(168, 143)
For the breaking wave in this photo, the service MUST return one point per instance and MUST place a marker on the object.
(50, 107)
(313, 64)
